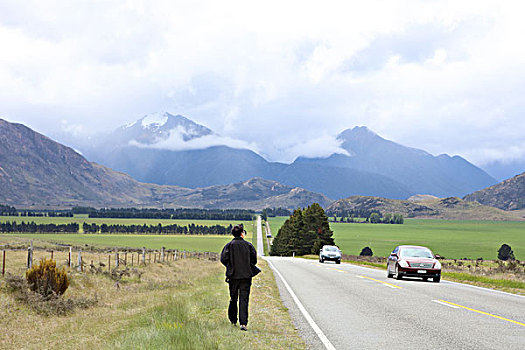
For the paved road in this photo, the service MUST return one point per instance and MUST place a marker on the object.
(260, 244)
(359, 308)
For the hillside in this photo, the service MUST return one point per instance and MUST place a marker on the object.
(255, 193)
(36, 171)
(451, 208)
(507, 195)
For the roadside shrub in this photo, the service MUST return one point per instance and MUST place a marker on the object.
(505, 252)
(366, 251)
(47, 306)
(46, 279)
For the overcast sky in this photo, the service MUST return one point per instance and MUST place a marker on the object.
(285, 76)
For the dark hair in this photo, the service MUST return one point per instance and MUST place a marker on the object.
(237, 230)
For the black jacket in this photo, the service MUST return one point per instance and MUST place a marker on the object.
(239, 256)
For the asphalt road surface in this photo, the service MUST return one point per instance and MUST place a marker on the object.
(351, 307)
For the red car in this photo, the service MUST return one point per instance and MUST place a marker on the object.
(413, 261)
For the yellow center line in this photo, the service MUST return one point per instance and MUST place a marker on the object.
(385, 283)
(483, 313)
(333, 268)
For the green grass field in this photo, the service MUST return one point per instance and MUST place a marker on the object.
(211, 243)
(450, 238)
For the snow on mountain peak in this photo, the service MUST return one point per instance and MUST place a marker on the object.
(155, 119)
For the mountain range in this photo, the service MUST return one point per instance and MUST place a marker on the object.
(168, 149)
(37, 171)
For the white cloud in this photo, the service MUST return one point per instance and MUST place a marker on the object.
(445, 76)
(176, 142)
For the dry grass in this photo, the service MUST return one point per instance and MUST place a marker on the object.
(142, 310)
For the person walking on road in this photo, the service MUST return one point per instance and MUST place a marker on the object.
(239, 257)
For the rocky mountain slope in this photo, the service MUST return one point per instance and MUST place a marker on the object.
(37, 171)
(255, 193)
(451, 208)
(507, 195)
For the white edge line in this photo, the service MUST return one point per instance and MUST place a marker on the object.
(442, 303)
(483, 288)
(305, 313)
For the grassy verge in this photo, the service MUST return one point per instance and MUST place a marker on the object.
(174, 305)
(507, 285)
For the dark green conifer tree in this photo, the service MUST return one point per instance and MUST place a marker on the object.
(317, 221)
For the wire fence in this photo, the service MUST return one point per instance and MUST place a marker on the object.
(16, 257)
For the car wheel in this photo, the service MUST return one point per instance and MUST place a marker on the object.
(321, 260)
(398, 276)
(425, 279)
(437, 279)
(388, 274)
(338, 261)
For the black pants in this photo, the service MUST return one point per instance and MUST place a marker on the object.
(239, 289)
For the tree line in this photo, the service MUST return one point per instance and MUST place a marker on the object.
(273, 212)
(192, 214)
(374, 218)
(137, 213)
(352, 213)
(32, 227)
(6, 210)
(304, 232)
(158, 229)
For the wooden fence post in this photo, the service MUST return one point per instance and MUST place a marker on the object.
(79, 268)
(3, 263)
(154, 257)
(109, 262)
(116, 258)
(144, 255)
(70, 262)
(51, 255)
(162, 254)
(132, 257)
(126, 258)
(175, 255)
(29, 257)
(184, 254)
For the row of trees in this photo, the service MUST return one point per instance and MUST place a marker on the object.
(375, 218)
(32, 227)
(6, 210)
(353, 213)
(192, 214)
(273, 212)
(304, 232)
(158, 229)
